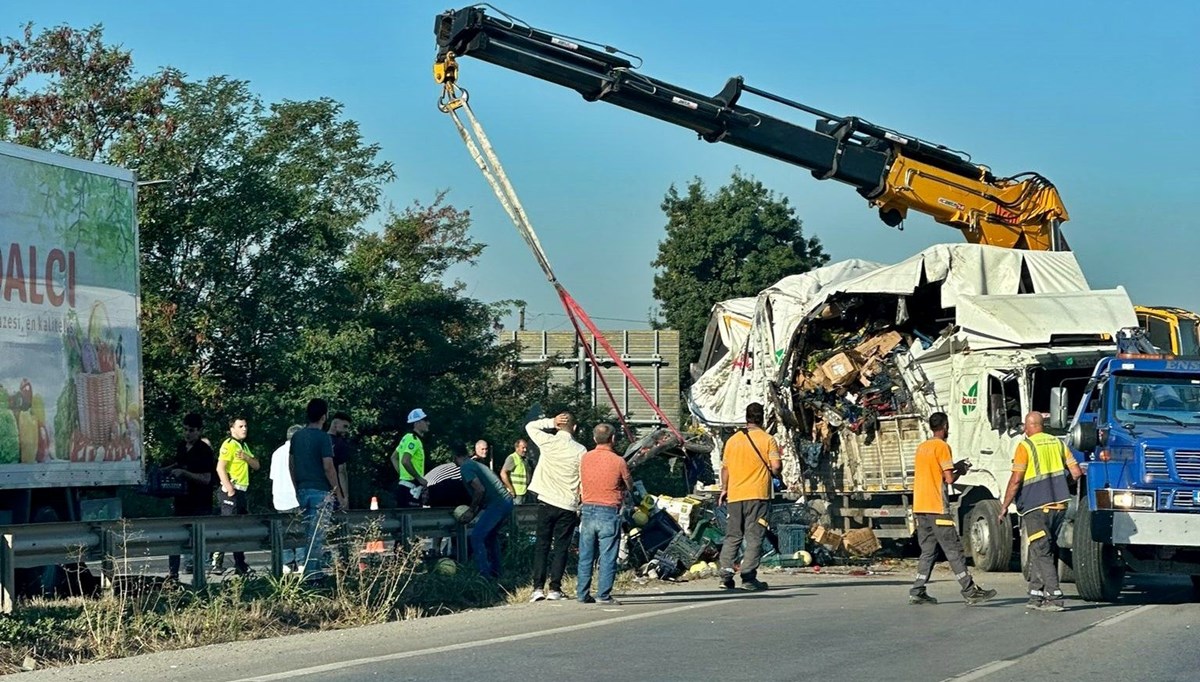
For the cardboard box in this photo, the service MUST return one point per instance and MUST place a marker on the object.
(861, 542)
(824, 536)
(878, 345)
(841, 369)
(811, 381)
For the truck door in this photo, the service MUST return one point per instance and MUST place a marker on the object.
(988, 411)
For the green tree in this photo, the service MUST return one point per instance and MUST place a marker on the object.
(730, 243)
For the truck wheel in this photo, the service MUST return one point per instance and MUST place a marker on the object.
(1098, 570)
(1066, 566)
(42, 581)
(990, 540)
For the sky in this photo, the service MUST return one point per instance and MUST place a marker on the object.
(1100, 97)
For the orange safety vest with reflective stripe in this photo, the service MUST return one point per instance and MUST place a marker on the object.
(1045, 479)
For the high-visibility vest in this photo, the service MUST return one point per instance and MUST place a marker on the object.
(1045, 479)
(412, 446)
(518, 475)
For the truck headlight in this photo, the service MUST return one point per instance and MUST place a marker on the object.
(1131, 499)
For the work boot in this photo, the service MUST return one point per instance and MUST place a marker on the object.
(753, 585)
(922, 598)
(726, 581)
(1034, 603)
(1051, 606)
(977, 595)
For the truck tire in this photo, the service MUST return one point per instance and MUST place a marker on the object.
(990, 540)
(1066, 566)
(1098, 571)
(42, 581)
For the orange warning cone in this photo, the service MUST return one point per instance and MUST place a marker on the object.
(374, 546)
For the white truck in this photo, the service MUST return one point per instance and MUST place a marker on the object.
(70, 371)
(851, 359)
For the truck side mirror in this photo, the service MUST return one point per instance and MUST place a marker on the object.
(1058, 407)
(1083, 437)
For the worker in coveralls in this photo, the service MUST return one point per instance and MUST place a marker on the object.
(933, 471)
(1039, 484)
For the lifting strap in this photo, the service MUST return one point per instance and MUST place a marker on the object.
(453, 100)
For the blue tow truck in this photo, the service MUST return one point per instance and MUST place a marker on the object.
(1136, 434)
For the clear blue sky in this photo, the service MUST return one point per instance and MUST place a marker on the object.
(1101, 97)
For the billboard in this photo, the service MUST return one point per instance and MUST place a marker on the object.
(70, 370)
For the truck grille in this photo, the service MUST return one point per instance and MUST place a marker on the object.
(1187, 466)
(1177, 499)
(1156, 466)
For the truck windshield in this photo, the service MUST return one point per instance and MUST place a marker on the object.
(1189, 343)
(1158, 399)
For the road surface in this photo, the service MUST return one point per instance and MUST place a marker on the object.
(807, 626)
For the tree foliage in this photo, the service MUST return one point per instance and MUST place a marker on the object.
(733, 242)
(271, 273)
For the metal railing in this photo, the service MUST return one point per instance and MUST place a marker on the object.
(121, 541)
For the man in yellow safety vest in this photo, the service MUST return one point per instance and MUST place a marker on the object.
(1039, 485)
(515, 472)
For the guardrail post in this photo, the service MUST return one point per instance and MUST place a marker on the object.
(199, 557)
(108, 560)
(406, 531)
(460, 542)
(8, 575)
(276, 547)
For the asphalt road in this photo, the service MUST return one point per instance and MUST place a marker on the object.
(817, 627)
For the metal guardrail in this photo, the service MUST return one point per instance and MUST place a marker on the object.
(123, 540)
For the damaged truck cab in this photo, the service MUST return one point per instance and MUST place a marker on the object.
(1136, 433)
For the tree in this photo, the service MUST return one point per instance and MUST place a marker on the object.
(731, 243)
(262, 285)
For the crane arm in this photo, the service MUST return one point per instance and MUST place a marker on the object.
(895, 173)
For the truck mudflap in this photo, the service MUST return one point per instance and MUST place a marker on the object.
(1147, 528)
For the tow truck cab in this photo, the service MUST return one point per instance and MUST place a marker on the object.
(1136, 434)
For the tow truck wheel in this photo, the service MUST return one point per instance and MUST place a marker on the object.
(42, 581)
(990, 540)
(1098, 570)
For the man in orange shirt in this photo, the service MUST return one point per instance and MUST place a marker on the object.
(933, 471)
(751, 458)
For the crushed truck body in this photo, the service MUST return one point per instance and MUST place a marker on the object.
(851, 359)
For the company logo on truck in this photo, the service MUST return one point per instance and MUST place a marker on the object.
(970, 399)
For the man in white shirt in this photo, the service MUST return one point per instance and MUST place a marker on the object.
(556, 482)
(283, 494)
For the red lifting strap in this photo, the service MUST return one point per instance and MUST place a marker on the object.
(574, 310)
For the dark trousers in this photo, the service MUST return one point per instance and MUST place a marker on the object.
(934, 530)
(185, 510)
(1041, 527)
(555, 526)
(237, 505)
(744, 524)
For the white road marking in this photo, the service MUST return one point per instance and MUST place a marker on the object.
(981, 671)
(996, 666)
(343, 665)
(1122, 616)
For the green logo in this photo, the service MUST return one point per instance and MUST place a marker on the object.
(970, 399)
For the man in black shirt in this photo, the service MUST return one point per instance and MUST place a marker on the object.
(339, 427)
(195, 464)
